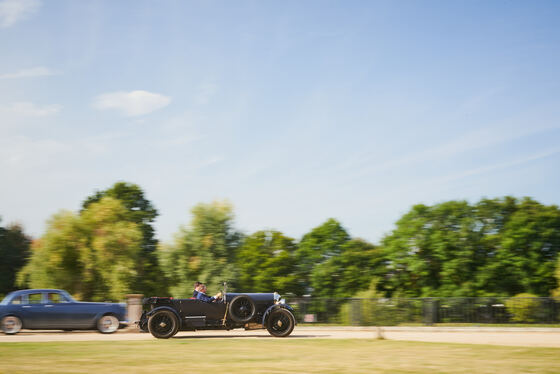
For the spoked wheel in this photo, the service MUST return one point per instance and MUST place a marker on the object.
(108, 324)
(163, 324)
(11, 325)
(280, 323)
(242, 309)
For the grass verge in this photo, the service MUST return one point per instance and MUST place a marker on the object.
(273, 356)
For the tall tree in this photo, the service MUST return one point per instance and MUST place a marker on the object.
(14, 252)
(523, 259)
(556, 292)
(316, 247)
(141, 211)
(495, 247)
(349, 272)
(266, 262)
(93, 254)
(204, 251)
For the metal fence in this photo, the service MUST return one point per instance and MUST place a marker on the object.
(391, 312)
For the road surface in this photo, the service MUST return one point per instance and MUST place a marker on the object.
(526, 337)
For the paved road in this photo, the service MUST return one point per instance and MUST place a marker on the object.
(531, 337)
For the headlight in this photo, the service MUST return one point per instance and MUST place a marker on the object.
(276, 297)
(282, 301)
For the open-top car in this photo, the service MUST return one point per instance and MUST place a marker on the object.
(166, 316)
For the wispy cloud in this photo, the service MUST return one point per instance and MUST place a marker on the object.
(25, 152)
(497, 166)
(133, 103)
(39, 71)
(28, 109)
(363, 164)
(13, 11)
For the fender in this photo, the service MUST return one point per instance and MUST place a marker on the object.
(274, 307)
(169, 309)
(14, 314)
(113, 311)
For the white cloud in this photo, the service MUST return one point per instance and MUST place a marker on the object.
(39, 71)
(133, 103)
(28, 109)
(13, 11)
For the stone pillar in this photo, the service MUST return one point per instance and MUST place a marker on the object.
(133, 309)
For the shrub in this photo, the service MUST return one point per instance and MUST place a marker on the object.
(523, 307)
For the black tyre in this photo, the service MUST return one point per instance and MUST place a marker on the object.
(163, 324)
(242, 309)
(280, 323)
(11, 325)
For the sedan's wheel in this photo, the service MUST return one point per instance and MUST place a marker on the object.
(242, 309)
(108, 324)
(11, 325)
(163, 324)
(280, 323)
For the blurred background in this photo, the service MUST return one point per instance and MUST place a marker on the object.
(366, 159)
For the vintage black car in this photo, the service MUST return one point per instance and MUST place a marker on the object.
(165, 315)
(49, 309)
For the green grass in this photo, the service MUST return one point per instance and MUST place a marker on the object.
(266, 355)
(450, 324)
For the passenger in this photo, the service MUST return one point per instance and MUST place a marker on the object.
(202, 295)
(195, 292)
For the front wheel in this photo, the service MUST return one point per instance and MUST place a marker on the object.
(163, 324)
(11, 325)
(280, 323)
(108, 324)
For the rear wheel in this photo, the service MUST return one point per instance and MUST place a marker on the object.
(163, 324)
(11, 325)
(108, 324)
(280, 323)
(242, 309)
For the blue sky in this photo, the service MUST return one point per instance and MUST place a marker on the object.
(293, 111)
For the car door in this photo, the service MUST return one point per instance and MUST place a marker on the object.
(57, 311)
(81, 315)
(33, 311)
(212, 311)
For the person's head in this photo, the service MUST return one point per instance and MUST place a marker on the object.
(202, 288)
(196, 285)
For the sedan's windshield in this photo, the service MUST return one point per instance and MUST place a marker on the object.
(7, 299)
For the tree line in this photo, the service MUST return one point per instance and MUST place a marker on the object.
(495, 247)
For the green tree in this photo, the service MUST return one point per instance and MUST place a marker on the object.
(556, 292)
(149, 279)
(93, 254)
(204, 251)
(495, 247)
(266, 262)
(349, 272)
(316, 247)
(14, 251)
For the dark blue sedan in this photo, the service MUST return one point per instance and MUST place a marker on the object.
(49, 309)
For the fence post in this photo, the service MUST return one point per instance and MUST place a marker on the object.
(356, 315)
(430, 306)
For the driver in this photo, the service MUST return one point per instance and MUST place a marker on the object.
(201, 295)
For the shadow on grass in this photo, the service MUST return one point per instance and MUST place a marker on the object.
(242, 337)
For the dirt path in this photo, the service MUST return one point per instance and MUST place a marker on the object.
(529, 337)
